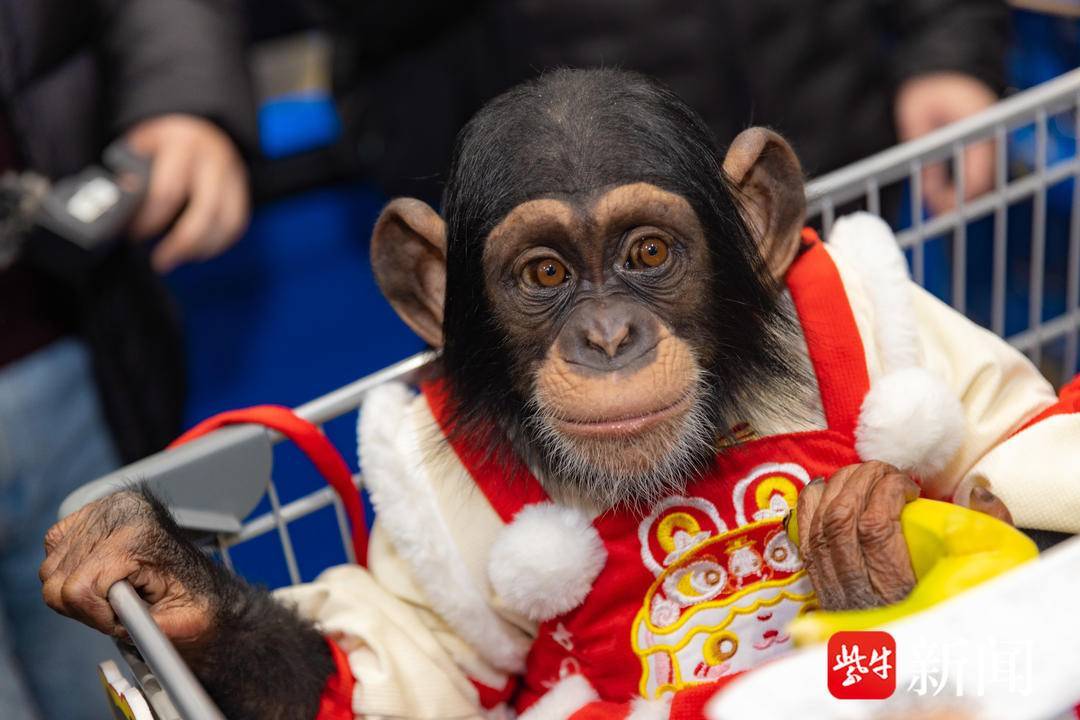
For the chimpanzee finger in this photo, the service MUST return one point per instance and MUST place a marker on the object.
(83, 543)
(56, 534)
(58, 544)
(51, 588)
(881, 538)
(85, 595)
(51, 563)
(806, 507)
(987, 502)
(184, 618)
(840, 526)
(815, 547)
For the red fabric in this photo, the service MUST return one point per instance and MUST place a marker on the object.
(313, 443)
(832, 336)
(602, 626)
(689, 704)
(1068, 403)
(506, 484)
(686, 704)
(336, 700)
(602, 710)
(491, 697)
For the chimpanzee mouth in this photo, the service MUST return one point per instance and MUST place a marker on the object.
(628, 461)
(624, 426)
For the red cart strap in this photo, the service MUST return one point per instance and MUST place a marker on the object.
(322, 453)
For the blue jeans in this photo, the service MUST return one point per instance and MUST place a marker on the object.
(53, 438)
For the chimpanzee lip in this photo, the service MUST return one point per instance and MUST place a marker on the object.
(624, 426)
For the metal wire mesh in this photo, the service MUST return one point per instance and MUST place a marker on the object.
(1022, 186)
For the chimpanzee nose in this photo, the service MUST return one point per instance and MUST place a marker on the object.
(608, 335)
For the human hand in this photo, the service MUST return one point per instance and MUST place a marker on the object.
(850, 537)
(124, 537)
(197, 179)
(928, 102)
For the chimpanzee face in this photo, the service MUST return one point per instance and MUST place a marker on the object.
(607, 285)
(602, 304)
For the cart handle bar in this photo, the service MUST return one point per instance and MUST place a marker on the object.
(183, 689)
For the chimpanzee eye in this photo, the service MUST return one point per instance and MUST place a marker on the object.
(649, 252)
(547, 272)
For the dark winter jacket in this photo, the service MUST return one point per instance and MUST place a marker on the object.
(74, 75)
(823, 72)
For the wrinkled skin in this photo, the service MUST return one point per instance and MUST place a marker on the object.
(119, 538)
(850, 536)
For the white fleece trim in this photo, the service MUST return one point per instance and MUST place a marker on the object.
(564, 698)
(544, 562)
(868, 242)
(642, 709)
(910, 418)
(391, 460)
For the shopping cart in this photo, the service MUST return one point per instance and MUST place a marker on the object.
(214, 483)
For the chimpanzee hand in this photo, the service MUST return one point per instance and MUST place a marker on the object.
(255, 657)
(850, 536)
(123, 537)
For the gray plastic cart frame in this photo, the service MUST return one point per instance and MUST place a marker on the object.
(215, 482)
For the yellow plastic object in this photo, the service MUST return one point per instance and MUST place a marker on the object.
(952, 548)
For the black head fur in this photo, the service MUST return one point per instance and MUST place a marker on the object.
(574, 132)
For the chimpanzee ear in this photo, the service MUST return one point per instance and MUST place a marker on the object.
(765, 169)
(408, 256)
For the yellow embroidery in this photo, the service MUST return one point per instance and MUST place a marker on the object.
(755, 564)
(676, 521)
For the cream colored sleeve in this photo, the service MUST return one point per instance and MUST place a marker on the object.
(406, 662)
(1035, 472)
(421, 624)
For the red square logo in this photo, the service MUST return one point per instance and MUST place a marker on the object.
(862, 665)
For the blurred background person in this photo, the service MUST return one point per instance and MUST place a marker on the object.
(841, 79)
(92, 373)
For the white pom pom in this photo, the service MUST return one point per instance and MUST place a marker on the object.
(543, 564)
(910, 419)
